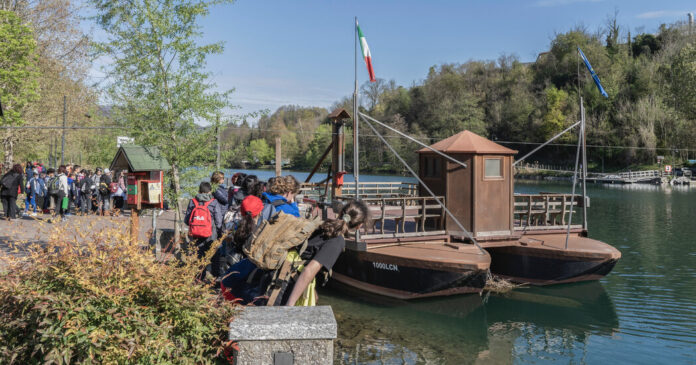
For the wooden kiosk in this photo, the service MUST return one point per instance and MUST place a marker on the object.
(480, 195)
(144, 167)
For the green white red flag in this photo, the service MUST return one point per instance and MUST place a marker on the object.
(366, 53)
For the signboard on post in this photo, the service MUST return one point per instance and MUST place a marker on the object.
(121, 140)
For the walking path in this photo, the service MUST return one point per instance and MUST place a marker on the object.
(29, 230)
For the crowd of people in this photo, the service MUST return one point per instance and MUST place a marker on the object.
(235, 214)
(64, 191)
(231, 213)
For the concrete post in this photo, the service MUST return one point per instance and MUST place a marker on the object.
(284, 335)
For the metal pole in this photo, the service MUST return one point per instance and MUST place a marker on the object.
(415, 140)
(584, 166)
(575, 179)
(62, 141)
(356, 119)
(217, 140)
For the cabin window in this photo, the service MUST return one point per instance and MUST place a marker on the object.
(432, 167)
(493, 168)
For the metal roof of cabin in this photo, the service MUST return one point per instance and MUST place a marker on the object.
(140, 158)
(469, 142)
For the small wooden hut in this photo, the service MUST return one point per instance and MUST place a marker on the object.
(480, 195)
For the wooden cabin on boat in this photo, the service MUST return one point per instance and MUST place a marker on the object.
(480, 196)
(416, 250)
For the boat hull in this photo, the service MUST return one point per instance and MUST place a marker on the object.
(391, 277)
(523, 265)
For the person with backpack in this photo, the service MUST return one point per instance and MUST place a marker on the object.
(325, 245)
(204, 218)
(34, 191)
(50, 174)
(280, 197)
(58, 192)
(11, 185)
(86, 188)
(103, 194)
(281, 270)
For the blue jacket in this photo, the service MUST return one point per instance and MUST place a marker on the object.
(274, 203)
(39, 184)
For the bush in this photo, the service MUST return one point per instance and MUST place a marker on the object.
(106, 300)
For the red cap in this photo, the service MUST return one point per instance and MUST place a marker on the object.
(253, 205)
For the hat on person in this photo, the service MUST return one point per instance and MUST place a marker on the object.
(106, 170)
(252, 205)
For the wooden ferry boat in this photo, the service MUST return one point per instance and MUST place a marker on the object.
(417, 247)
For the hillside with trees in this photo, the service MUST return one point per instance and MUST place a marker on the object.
(650, 79)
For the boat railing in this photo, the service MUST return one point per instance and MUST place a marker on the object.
(365, 189)
(404, 216)
(545, 211)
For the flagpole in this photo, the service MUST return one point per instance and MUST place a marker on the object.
(356, 126)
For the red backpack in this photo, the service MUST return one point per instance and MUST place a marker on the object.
(201, 222)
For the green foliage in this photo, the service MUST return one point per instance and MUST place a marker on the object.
(554, 120)
(260, 152)
(101, 299)
(18, 70)
(160, 86)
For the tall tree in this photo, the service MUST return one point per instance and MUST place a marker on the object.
(159, 85)
(18, 76)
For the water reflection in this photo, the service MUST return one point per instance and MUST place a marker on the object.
(469, 329)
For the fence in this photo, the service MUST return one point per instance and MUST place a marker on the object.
(544, 211)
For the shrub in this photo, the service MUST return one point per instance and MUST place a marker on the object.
(92, 296)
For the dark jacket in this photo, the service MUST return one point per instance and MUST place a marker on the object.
(215, 212)
(15, 184)
(221, 195)
(105, 179)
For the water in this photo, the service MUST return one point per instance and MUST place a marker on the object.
(644, 312)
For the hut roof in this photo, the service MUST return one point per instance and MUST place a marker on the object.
(469, 142)
(139, 158)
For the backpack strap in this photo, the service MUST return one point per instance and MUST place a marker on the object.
(279, 202)
(278, 284)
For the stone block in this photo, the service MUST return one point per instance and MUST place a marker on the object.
(305, 332)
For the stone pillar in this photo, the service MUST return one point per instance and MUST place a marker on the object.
(284, 335)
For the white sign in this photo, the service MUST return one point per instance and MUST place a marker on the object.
(668, 168)
(124, 140)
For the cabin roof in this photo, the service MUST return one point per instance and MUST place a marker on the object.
(136, 158)
(469, 142)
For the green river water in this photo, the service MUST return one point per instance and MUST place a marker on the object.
(643, 312)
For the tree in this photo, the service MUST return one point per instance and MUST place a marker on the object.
(18, 76)
(159, 87)
(260, 152)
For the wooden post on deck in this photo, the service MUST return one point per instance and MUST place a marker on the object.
(277, 157)
(135, 226)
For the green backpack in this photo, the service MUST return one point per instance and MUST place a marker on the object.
(54, 186)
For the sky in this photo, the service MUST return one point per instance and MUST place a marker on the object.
(300, 52)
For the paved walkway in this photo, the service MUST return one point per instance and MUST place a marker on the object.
(28, 230)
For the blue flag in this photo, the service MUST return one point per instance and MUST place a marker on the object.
(594, 75)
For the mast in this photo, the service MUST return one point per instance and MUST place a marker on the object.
(356, 154)
(584, 166)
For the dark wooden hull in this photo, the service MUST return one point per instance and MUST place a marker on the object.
(404, 279)
(525, 265)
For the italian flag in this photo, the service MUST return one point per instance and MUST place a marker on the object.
(366, 53)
